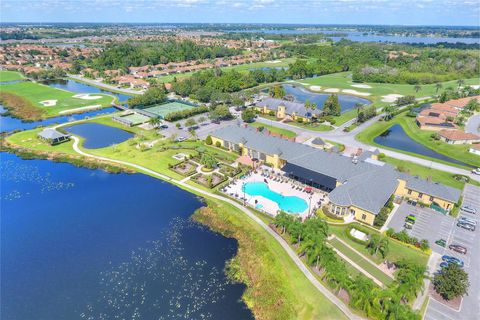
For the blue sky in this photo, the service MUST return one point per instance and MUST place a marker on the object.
(400, 12)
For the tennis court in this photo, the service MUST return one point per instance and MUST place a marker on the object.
(162, 110)
(132, 119)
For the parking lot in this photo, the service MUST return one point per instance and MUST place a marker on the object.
(470, 306)
(430, 224)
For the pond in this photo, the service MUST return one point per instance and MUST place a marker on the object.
(84, 244)
(79, 87)
(98, 135)
(269, 68)
(9, 123)
(395, 137)
(347, 102)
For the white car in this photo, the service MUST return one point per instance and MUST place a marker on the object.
(476, 171)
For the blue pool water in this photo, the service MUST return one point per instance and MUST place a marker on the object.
(98, 135)
(290, 204)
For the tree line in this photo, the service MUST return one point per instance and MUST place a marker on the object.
(310, 237)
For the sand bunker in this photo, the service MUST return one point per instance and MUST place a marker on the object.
(361, 86)
(273, 61)
(86, 96)
(391, 97)
(475, 87)
(332, 90)
(48, 103)
(315, 88)
(356, 92)
(96, 106)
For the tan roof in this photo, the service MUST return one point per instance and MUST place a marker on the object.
(458, 135)
(461, 103)
(475, 146)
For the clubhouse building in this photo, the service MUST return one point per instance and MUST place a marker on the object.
(359, 186)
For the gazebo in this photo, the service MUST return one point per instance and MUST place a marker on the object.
(52, 136)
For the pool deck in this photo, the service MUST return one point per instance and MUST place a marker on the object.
(284, 188)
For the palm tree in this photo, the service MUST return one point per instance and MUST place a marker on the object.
(417, 88)
(363, 295)
(438, 86)
(155, 121)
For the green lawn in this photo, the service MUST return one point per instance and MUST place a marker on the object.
(397, 250)
(36, 92)
(315, 126)
(414, 169)
(277, 130)
(343, 81)
(361, 262)
(6, 76)
(459, 152)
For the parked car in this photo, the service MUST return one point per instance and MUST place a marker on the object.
(450, 259)
(441, 242)
(458, 248)
(164, 126)
(411, 218)
(408, 225)
(412, 202)
(466, 226)
(468, 220)
(469, 209)
(180, 139)
(215, 121)
(476, 171)
(444, 265)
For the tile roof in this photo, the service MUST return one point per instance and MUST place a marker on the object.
(432, 188)
(458, 135)
(290, 107)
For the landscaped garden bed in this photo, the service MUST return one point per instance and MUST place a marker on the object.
(229, 171)
(185, 168)
(209, 180)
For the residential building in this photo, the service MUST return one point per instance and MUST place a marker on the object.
(52, 136)
(359, 186)
(458, 137)
(283, 109)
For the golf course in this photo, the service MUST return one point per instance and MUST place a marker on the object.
(33, 101)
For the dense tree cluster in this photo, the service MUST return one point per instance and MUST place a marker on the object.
(384, 63)
(122, 55)
(390, 303)
(174, 116)
(332, 107)
(154, 95)
(50, 74)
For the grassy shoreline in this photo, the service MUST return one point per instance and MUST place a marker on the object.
(459, 152)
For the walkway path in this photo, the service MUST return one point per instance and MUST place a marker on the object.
(104, 85)
(348, 138)
(305, 270)
(473, 124)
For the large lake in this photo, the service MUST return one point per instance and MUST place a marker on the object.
(395, 137)
(347, 102)
(79, 87)
(358, 36)
(84, 244)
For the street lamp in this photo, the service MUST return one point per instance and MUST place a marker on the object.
(310, 205)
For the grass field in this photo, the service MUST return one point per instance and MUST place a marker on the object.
(315, 126)
(343, 81)
(36, 93)
(361, 262)
(6, 76)
(397, 250)
(277, 130)
(459, 152)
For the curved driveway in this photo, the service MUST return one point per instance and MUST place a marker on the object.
(246, 211)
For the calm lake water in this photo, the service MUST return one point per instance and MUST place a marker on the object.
(79, 87)
(98, 135)
(8, 123)
(395, 137)
(358, 36)
(347, 102)
(84, 244)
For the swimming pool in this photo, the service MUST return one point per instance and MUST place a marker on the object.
(290, 204)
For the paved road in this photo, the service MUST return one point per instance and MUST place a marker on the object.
(473, 124)
(306, 271)
(104, 85)
(348, 138)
